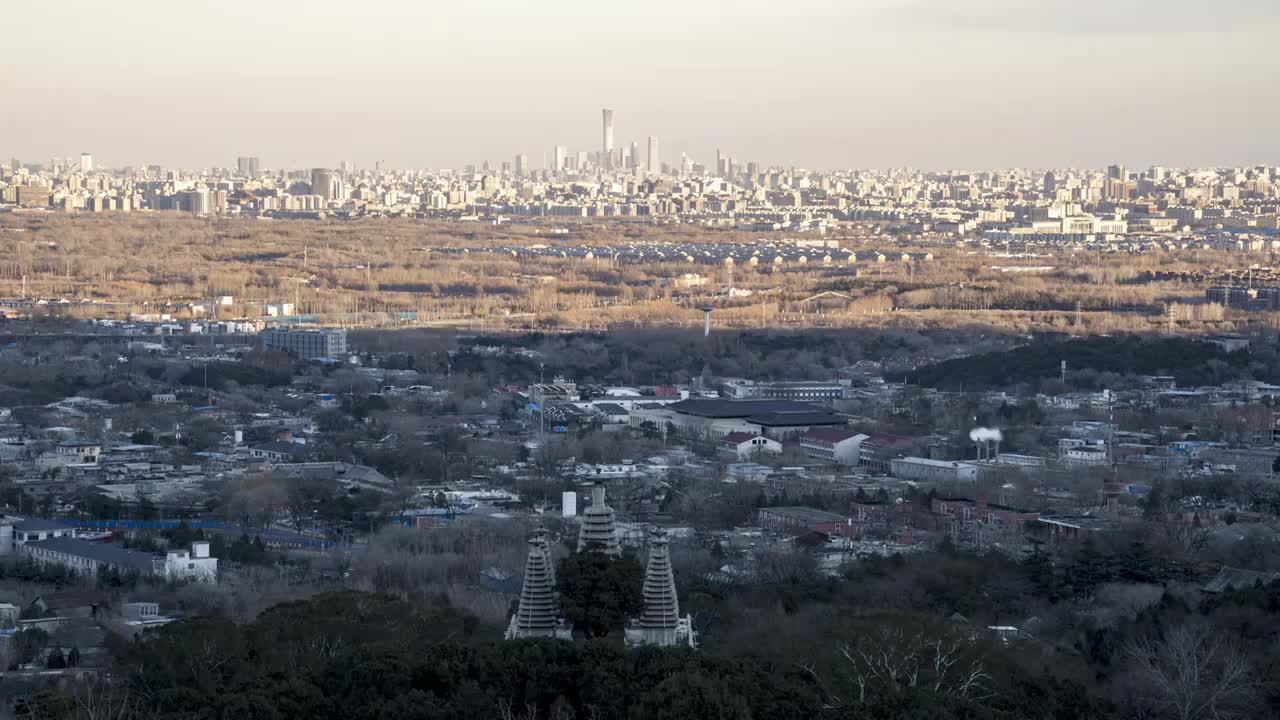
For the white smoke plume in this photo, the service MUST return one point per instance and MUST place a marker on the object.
(982, 434)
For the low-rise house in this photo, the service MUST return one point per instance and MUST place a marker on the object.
(71, 603)
(1229, 578)
(612, 413)
(275, 451)
(745, 446)
(801, 520)
(33, 530)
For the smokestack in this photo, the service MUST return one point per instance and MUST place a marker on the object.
(985, 439)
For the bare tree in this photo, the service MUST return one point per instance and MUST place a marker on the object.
(1192, 673)
(96, 700)
(892, 659)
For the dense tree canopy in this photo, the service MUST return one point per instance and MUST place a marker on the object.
(599, 593)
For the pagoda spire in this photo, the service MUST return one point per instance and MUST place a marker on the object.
(599, 527)
(660, 622)
(538, 614)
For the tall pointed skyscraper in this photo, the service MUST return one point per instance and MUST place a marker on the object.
(598, 528)
(660, 622)
(539, 613)
(606, 149)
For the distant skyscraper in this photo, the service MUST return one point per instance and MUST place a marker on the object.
(1050, 183)
(323, 182)
(522, 165)
(635, 155)
(247, 165)
(719, 163)
(14, 165)
(86, 163)
(561, 158)
(1117, 172)
(655, 167)
(607, 150)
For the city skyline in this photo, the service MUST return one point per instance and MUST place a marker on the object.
(978, 84)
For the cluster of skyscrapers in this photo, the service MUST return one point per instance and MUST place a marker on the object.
(609, 158)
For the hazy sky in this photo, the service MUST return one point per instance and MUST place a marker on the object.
(814, 83)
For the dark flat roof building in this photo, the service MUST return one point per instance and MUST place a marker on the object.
(724, 409)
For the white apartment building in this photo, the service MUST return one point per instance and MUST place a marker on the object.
(840, 447)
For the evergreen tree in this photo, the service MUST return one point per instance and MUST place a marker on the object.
(599, 593)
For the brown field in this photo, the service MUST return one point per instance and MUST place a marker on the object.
(356, 271)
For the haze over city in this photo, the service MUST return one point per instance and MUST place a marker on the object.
(665, 360)
(976, 84)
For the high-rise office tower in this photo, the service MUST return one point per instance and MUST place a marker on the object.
(719, 163)
(685, 166)
(522, 164)
(655, 167)
(14, 165)
(607, 150)
(323, 181)
(86, 163)
(561, 158)
(346, 167)
(247, 165)
(1050, 183)
(1117, 172)
(635, 155)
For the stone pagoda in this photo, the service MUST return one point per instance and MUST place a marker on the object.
(660, 622)
(538, 615)
(598, 528)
